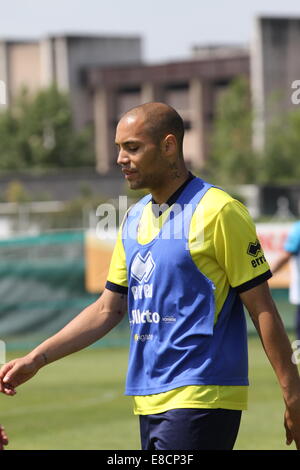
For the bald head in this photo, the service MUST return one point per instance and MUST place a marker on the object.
(159, 120)
(149, 139)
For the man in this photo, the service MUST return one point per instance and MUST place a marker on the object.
(186, 270)
(292, 254)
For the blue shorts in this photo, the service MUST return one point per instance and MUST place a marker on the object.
(190, 429)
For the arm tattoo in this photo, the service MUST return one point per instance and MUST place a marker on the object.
(45, 358)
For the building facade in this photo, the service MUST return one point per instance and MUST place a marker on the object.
(275, 66)
(105, 76)
(191, 87)
(60, 60)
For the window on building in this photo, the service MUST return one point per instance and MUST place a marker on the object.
(177, 96)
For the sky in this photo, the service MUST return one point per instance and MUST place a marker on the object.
(169, 28)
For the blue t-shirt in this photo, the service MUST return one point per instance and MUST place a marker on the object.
(292, 245)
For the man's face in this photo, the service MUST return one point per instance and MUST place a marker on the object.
(139, 154)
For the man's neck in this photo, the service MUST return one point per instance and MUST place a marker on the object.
(163, 193)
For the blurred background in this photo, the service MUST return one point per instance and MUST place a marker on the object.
(68, 70)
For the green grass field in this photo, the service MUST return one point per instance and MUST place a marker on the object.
(78, 403)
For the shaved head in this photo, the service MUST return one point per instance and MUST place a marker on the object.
(159, 120)
(149, 139)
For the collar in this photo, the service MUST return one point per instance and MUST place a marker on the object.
(156, 208)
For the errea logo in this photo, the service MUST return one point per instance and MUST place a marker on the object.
(142, 267)
(254, 248)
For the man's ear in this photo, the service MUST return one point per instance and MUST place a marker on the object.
(170, 144)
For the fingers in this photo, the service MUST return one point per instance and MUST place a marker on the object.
(288, 434)
(3, 372)
(15, 373)
(7, 386)
(3, 438)
(289, 437)
(3, 435)
(292, 430)
(9, 390)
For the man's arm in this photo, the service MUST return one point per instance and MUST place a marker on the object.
(276, 344)
(91, 324)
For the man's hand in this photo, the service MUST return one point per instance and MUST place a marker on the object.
(277, 346)
(16, 372)
(91, 324)
(292, 424)
(3, 438)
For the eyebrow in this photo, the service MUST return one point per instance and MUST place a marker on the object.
(128, 142)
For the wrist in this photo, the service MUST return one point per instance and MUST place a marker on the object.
(39, 358)
(293, 402)
(292, 395)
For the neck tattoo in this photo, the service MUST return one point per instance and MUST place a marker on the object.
(175, 170)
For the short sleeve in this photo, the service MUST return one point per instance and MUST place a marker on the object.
(117, 274)
(237, 248)
(292, 244)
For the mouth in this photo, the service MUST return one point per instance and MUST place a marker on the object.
(129, 173)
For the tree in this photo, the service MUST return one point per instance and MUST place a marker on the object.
(37, 132)
(280, 164)
(232, 159)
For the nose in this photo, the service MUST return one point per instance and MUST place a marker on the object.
(123, 158)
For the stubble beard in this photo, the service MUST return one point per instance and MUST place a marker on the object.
(148, 183)
(135, 185)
